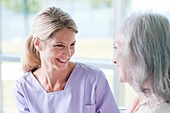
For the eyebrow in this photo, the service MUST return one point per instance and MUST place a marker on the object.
(64, 43)
(74, 42)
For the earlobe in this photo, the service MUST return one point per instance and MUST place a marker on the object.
(37, 43)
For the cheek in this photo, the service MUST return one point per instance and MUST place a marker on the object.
(126, 73)
(72, 51)
(122, 72)
(123, 67)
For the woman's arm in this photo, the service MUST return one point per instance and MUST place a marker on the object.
(20, 98)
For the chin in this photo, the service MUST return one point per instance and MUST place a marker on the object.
(59, 67)
(123, 79)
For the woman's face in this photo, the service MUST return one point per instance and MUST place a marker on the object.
(121, 58)
(58, 49)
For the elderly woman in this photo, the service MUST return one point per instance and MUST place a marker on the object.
(143, 58)
(51, 82)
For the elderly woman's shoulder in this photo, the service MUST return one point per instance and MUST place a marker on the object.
(164, 108)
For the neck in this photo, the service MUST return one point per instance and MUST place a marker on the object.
(53, 80)
(152, 100)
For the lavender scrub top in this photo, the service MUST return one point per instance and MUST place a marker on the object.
(86, 91)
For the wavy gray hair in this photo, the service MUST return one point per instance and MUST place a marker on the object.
(148, 37)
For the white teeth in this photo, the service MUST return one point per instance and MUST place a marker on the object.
(62, 60)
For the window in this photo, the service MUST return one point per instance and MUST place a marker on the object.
(94, 40)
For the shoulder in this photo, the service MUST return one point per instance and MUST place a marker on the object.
(91, 73)
(89, 69)
(21, 83)
(164, 108)
(132, 105)
(24, 78)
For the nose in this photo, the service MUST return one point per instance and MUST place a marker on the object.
(67, 52)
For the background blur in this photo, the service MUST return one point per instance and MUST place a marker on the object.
(97, 22)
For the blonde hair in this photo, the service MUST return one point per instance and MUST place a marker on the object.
(45, 24)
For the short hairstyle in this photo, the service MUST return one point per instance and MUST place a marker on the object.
(148, 38)
(48, 21)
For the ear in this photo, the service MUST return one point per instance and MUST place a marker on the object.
(37, 43)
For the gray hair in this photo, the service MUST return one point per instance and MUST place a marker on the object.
(148, 37)
(47, 22)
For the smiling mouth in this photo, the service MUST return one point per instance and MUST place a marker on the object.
(62, 61)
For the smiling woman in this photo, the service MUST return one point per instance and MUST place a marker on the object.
(15, 24)
(51, 77)
(143, 60)
(60, 45)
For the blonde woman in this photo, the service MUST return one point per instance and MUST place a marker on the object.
(52, 83)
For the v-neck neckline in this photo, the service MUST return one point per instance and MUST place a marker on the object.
(66, 85)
